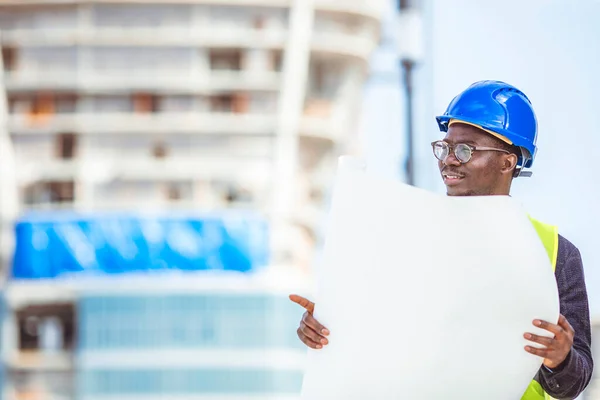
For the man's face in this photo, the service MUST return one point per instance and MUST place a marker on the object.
(482, 175)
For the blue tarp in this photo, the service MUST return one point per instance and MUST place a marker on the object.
(55, 244)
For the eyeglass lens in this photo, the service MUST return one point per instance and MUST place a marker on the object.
(462, 152)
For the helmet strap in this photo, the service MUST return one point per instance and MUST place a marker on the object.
(520, 173)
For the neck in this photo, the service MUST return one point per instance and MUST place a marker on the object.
(503, 188)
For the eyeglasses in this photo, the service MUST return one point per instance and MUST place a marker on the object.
(462, 151)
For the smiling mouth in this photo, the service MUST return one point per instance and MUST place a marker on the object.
(450, 177)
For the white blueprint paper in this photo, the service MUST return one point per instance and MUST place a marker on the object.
(426, 296)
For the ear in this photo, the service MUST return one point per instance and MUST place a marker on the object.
(509, 163)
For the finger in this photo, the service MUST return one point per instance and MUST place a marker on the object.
(310, 321)
(546, 341)
(312, 335)
(305, 303)
(564, 323)
(538, 352)
(306, 340)
(557, 330)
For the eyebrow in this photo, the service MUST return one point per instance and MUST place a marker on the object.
(470, 142)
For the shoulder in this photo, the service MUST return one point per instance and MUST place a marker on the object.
(568, 257)
(566, 248)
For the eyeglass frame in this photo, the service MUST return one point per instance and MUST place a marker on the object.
(452, 148)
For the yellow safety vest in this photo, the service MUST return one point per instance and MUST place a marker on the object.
(549, 236)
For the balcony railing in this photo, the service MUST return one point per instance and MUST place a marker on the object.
(126, 167)
(369, 8)
(205, 37)
(361, 7)
(199, 123)
(162, 80)
(122, 123)
(187, 169)
(343, 44)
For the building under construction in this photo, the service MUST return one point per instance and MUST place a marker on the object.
(219, 107)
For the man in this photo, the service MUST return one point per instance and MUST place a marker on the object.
(491, 131)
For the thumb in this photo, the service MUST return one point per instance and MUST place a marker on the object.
(305, 303)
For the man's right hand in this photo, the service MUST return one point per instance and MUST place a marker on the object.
(310, 331)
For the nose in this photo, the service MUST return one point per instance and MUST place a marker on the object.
(451, 160)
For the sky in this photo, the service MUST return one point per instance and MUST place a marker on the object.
(550, 49)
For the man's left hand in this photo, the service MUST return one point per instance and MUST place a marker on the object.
(557, 348)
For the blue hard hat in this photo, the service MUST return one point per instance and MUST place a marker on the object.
(500, 109)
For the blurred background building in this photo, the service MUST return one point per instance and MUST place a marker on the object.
(117, 105)
(233, 110)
